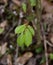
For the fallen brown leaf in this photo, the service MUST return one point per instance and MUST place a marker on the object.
(47, 6)
(9, 60)
(3, 24)
(17, 2)
(3, 48)
(24, 58)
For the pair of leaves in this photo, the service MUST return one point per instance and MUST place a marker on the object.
(25, 37)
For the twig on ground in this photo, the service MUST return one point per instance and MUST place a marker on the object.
(9, 31)
(39, 23)
(45, 43)
(24, 58)
(46, 54)
(34, 25)
(50, 44)
(17, 48)
(38, 13)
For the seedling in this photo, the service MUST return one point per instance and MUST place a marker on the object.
(25, 33)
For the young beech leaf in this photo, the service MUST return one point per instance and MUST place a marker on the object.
(20, 40)
(31, 30)
(1, 30)
(20, 29)
(33, 2)
(28, 37)
(24, 7)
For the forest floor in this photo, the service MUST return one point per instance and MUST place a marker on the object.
(11, 15)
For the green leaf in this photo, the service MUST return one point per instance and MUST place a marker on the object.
(20, 40)
(33, 2)
(51, 56)
(31, 30)
(28, 37)
(24, 7)
(1, 30)
(20, 29)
